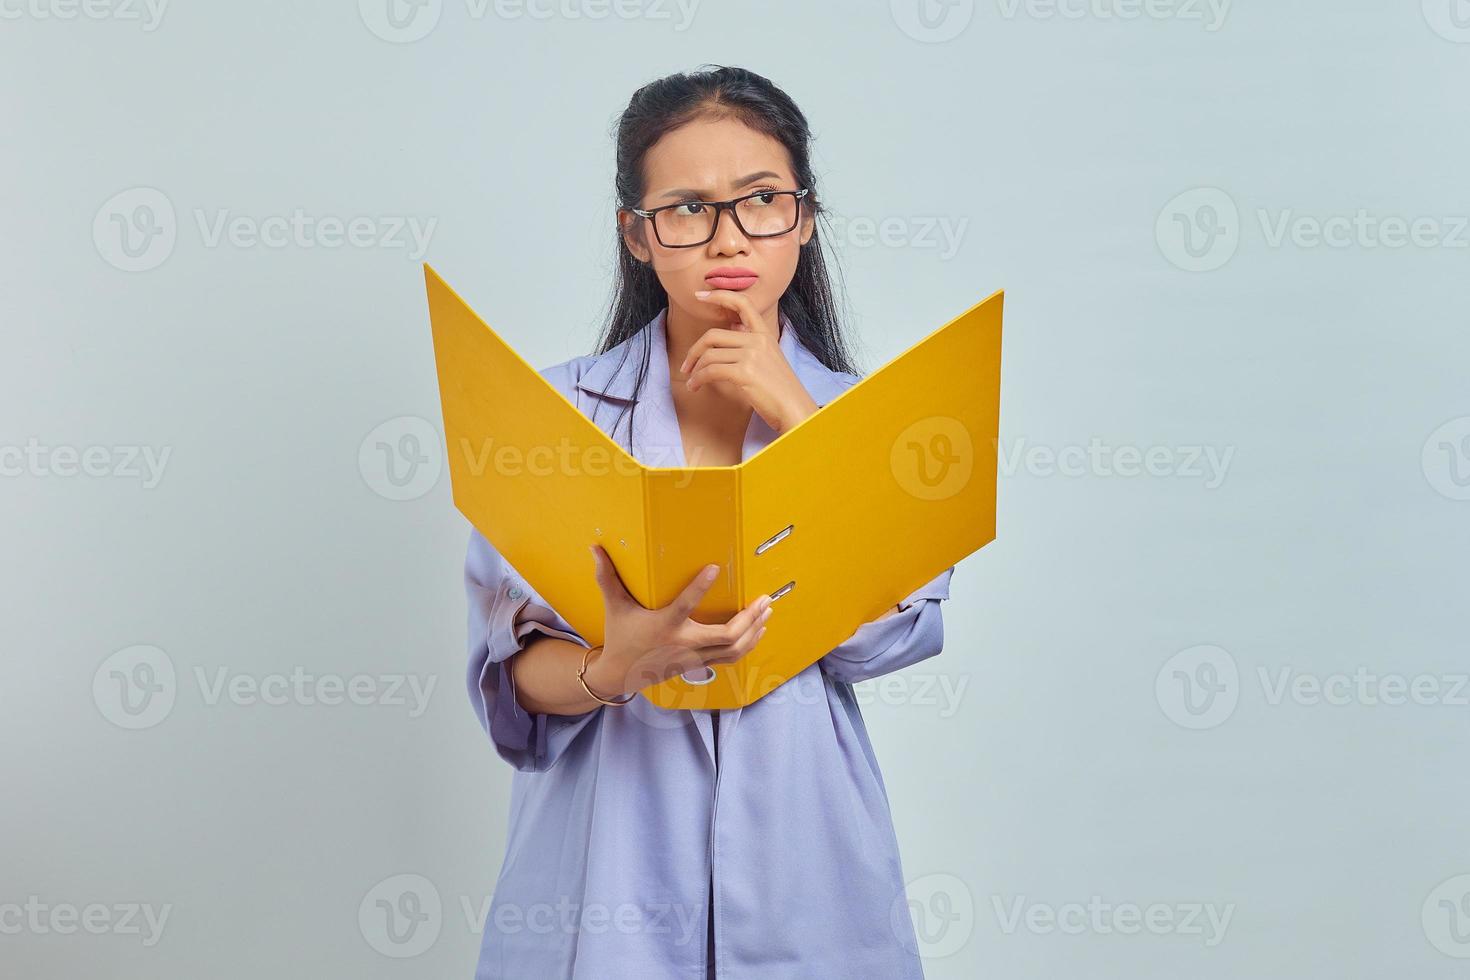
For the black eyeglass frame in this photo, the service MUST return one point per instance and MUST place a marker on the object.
(720, 206)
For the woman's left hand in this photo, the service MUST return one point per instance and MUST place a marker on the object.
(746, 359)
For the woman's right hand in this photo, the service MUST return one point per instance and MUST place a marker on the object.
(642, 646)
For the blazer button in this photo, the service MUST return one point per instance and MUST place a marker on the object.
(515, 592)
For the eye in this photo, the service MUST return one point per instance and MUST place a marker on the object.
(761, 200)
(689, 208)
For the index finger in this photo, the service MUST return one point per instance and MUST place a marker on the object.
(737, 301)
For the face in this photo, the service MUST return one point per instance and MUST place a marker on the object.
(716, 160)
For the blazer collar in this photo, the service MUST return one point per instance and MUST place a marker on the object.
(613, 373)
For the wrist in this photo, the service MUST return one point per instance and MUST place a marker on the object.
(602, 674)
(800, 409)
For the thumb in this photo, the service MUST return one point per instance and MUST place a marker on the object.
(608, 580)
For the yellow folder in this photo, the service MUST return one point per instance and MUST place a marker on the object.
(839, 517)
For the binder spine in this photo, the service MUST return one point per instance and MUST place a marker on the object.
(739, 563)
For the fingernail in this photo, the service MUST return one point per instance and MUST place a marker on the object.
(702, 293)
(710, 572)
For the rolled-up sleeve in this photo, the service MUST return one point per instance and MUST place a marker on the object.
(914, 633)
(505, 614)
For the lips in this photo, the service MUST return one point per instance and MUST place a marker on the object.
(731, 277)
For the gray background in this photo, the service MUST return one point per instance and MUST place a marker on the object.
(1115, 725)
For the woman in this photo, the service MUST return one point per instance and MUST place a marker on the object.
(649, 843)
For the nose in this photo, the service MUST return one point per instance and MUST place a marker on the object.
(729, 239)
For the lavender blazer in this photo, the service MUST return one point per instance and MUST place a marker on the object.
(622, 819)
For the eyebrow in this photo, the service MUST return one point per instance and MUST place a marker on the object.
(688, 192)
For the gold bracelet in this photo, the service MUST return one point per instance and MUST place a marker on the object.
(591, 693)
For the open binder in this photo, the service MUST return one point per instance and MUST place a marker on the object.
(895, 477)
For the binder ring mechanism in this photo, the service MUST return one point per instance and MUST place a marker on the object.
(709, 672)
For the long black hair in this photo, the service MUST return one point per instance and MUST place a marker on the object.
(718, 92)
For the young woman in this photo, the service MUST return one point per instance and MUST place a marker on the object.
(655, 844)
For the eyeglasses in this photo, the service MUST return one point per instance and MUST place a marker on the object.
(764, 214)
